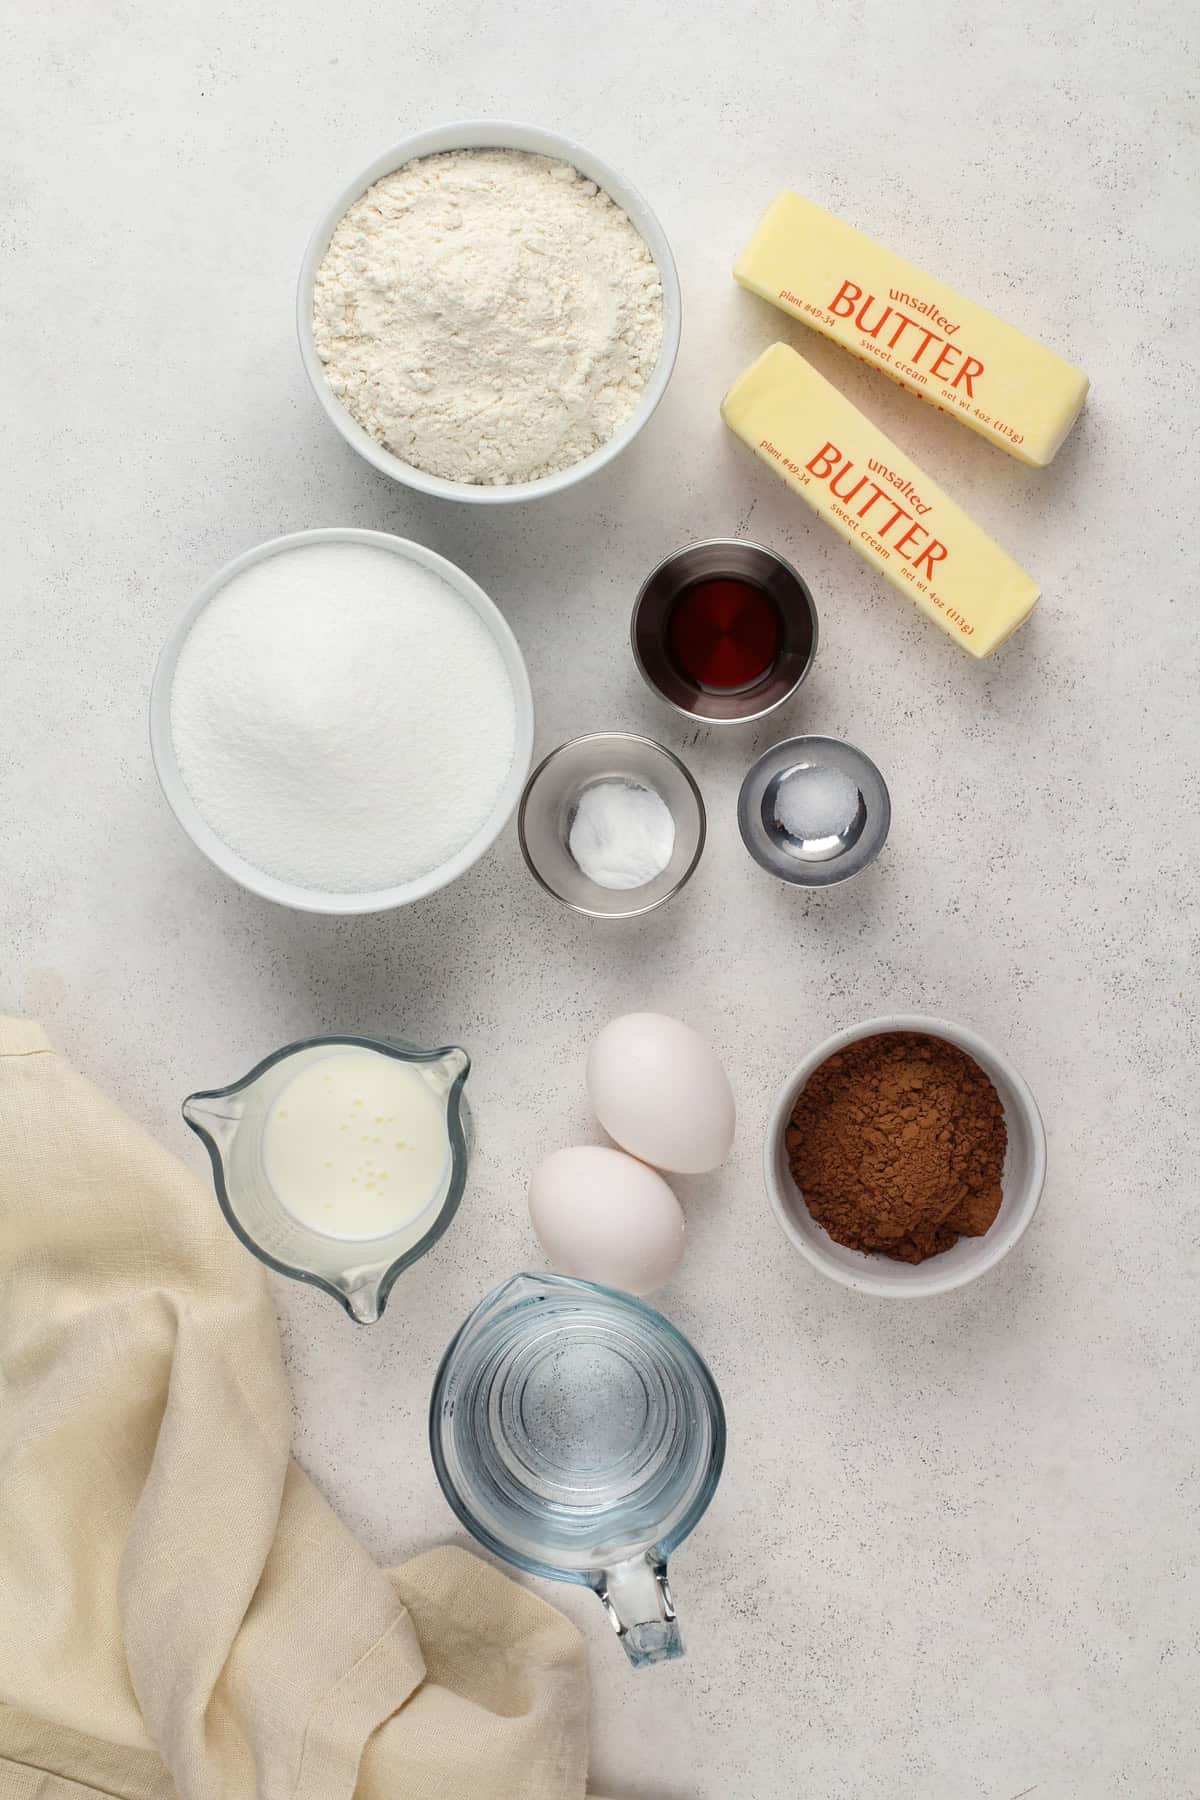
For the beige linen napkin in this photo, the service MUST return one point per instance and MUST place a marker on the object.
(181, 1614)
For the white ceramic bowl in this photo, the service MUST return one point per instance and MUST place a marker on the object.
(491, 134)
(1024, 1175)
(312, 899)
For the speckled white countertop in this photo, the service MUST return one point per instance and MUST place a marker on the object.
(954, 1553)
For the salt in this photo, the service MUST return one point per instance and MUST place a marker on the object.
(342, 718)
(622, 834)
(814, 801)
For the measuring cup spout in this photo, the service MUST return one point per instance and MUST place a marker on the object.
(214, 1118)
(363, 1299)
(637, 1598)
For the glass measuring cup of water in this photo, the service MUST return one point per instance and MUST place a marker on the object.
(340, 1160)
(578, 1435)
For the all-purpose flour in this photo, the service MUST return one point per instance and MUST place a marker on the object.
(342, 718)
(487, 315)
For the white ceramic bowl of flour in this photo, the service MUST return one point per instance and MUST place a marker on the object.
(497, 662)
(492, 135)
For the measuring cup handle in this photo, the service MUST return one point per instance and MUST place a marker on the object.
(636, 1595)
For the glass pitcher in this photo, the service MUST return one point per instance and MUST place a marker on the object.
(358, 1271)
(578, 1435)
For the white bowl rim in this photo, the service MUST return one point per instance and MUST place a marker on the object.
(236, 867)
(925, 1279)
(500, 134)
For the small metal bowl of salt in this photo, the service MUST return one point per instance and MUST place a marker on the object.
(611, 824)
(814, 811)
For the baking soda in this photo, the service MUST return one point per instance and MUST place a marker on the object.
(622, 835)
(342, 718)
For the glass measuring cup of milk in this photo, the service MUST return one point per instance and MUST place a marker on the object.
(340, 1160)
(578, 1435)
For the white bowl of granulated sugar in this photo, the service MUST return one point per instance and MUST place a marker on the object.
(489, 312)
(342, 721)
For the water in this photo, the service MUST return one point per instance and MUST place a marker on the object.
(576, 1427)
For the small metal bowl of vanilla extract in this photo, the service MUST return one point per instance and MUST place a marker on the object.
(724, 631)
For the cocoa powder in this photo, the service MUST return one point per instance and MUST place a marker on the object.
(897, 1145)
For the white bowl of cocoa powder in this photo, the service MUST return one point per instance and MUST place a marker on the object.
(905, 1156)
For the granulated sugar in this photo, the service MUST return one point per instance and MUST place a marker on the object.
(342, 718)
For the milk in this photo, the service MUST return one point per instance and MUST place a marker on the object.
(355, 1146)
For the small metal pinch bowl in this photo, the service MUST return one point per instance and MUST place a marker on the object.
(551, 800)
(785, 608)
(814, 811)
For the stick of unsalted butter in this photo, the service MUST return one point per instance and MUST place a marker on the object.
(930, 339)
(878, 500)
